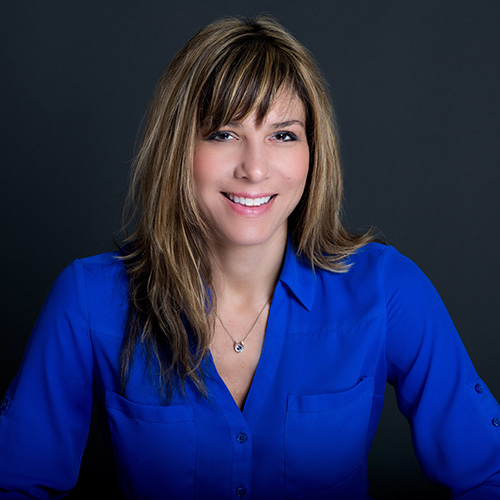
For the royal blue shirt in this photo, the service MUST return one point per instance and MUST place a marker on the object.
(333, 340)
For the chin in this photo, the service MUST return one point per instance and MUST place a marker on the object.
(252, 238)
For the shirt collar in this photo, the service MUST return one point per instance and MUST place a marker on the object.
(298, 276)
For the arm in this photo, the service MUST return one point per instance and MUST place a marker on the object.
(46, 413)
(454, 418)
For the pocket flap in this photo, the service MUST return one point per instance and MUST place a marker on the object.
(331, 401)
(148, 413)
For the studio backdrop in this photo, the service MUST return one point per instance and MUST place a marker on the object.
(415, 86)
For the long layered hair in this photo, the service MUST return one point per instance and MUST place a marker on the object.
(228, 70)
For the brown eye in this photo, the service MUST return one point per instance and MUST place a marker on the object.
(220, 136)
(285, 136)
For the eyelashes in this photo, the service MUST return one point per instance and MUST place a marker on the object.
(285, 136)
(221, 136)
(224, 136)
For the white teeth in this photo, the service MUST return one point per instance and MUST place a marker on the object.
(250, 202)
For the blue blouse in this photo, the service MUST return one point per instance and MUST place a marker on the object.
(333, 341)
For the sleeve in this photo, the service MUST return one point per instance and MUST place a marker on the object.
(455, 420)
(45, 415)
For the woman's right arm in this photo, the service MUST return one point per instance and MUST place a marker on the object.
(45, 415)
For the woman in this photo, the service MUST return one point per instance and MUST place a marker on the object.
(240, 343)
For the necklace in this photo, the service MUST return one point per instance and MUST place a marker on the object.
(239, 345)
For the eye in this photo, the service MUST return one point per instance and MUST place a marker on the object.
(285, 136)
(221, 136)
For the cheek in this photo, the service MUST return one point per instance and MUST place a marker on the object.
(203, 171)
(210, 166)
(298, 174)
(199, 163)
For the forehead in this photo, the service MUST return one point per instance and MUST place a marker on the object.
(286, 107)
(287, 103)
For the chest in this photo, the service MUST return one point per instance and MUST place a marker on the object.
(309, 410)
(235, 359)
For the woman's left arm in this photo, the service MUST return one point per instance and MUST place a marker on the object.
(454, 418)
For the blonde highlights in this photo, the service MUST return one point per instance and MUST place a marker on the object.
(226, 71)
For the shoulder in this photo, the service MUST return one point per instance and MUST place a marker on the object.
(96, 274)
(377, 275)
(103, 263)
(96, 287)
(103, 268)
(376, 255)
(401, 287)
(386, 266)
(370, 264)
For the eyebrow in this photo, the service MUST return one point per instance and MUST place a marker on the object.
(284, 124)
(288, 123)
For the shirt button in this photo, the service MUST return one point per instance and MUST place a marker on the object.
(479, 388)
(240, 492)
(241, 437)
(496, 422)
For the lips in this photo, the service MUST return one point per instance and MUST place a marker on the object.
(249, 202)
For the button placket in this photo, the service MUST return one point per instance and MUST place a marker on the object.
(242, 461)
(238, 438)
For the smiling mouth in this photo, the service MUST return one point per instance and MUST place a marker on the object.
(249, 202)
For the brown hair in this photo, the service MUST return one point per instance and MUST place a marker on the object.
(226, 71)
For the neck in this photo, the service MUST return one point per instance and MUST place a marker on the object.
(246, 274)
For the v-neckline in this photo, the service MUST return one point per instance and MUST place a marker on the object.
(266, 367)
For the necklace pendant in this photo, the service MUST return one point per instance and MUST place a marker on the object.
(239, 346)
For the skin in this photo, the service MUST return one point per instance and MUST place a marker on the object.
(267, 164)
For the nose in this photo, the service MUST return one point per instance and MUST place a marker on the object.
(253, 162)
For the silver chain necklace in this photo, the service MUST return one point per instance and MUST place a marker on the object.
(239, 345)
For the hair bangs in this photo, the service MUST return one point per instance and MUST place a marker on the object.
(247, 79)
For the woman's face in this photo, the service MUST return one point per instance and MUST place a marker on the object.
(249, 178)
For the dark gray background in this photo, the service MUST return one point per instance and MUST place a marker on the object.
(415, 85)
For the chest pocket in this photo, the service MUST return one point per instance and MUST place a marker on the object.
(325, 438)
(154, 448)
